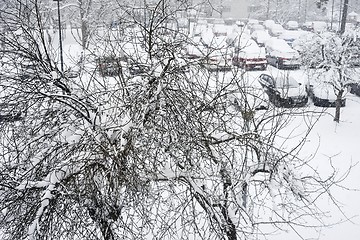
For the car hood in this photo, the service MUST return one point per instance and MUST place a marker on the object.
(291, 92)
(324, 92)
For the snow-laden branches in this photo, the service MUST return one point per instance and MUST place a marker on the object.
(143, 142)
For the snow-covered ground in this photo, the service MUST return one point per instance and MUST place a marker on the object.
(329, 145)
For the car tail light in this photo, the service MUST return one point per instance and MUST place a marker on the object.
(256, 59)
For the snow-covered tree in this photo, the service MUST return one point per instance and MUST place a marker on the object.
(333, 58)
(169, 151)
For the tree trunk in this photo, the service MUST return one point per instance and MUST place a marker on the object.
(343, 17)
(338, 105)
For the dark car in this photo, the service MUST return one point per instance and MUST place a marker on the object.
(354, 88)
(323, 95)
(11, 112)
(138, 69)
(284, 90)
(109, 65)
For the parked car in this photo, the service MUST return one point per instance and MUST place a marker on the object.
(291, 35)
(252, 22)
(276, 30)
(260, 36)
(195, 48)
(292, 25)
(354, 88)
(11, 112)
(268, 23)
(284, 90)
(307, 26)
(69, 73)
(257, 27)
(218, 60)
(109, 65)
(249, 99)
(322, 94)
(281, 55)
(218, 55)
(235, 38)
(200, 27)
(136, 69)
(319, 26)
(219, 30)
(250, 56)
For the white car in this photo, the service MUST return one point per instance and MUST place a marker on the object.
(268, 23)
(322, 94)
(249, 99)
(260, 36)
(195, 49)
(250, 56)
(319, 26)
(291, 35)
(281, 55)
(276, 30)
(218, 56)
(292, 25)
(219, 30)
(321, 90)
(257, 27)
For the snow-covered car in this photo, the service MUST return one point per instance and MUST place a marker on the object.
(219, 30)
(252, 22)
(281, 55)
(260, 36)
(268, 23)
(218, 56)
(319, 26)
(235, 38)
(257, 27)
(195, 48)
(218, 60)
(250, 56)
(136, 69)
(199, 28)
(322, 94)
(283, 90)
(249, 99)
(291, 35)
(276, 30)
(292, 25)
(307, 26)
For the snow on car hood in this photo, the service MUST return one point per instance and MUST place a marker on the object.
(292, 92)
(324, 91)
(289, 87)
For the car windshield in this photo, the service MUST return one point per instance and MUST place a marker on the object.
(286, 82)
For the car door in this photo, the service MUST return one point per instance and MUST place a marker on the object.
(268, 83)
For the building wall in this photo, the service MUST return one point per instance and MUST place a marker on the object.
(235, 9)
(224, 8)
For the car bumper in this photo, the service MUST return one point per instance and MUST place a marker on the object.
(292, 102)
(319, 102)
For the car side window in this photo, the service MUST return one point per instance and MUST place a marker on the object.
(268, 79)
